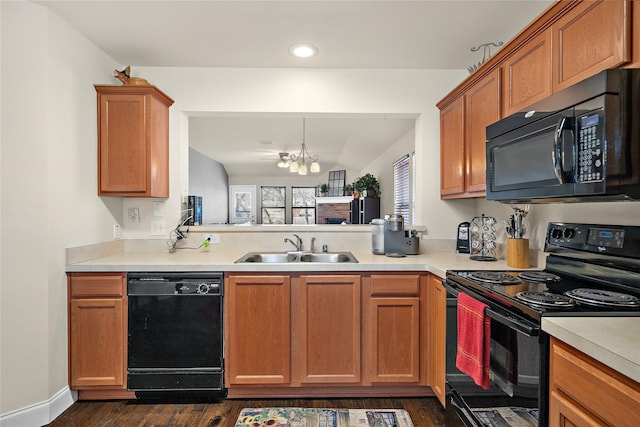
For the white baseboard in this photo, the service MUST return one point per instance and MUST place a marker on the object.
(42, 413)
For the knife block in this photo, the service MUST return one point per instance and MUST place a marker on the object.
(518, 253)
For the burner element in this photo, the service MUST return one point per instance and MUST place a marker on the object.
(495, 277)
(602, 298)
(539, 276)
(545, 299)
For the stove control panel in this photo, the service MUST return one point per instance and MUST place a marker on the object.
(595, 238)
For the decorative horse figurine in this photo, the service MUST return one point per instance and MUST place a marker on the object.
(124, 77)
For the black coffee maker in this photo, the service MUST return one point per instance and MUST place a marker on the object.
(463, 242)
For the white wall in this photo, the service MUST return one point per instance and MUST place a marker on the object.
(49, 192)
(382, 168)
(208, 179)
(616, 213)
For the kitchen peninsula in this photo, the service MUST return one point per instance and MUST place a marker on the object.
(377, 287)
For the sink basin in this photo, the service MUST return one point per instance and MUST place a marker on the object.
(288, 257)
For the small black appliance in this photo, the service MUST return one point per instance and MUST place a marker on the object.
(463, 242)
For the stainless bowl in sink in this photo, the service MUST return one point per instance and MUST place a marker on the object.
(289, 257)
(329, 257)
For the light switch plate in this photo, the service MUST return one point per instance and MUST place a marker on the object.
(158, 228)
(158, 209)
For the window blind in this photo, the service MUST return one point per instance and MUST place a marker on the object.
(402, 188)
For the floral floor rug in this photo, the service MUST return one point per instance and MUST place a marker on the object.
(323, 417)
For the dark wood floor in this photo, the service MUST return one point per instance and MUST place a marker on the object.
(424, 412)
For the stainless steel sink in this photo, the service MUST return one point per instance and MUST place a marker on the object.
(289, 257)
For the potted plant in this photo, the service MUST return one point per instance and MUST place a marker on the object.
(324, 190)
(367, 185)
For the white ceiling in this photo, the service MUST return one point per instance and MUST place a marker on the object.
(349, 34)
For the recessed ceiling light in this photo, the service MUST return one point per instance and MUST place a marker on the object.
(303, 50)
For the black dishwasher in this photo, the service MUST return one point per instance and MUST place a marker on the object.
(175, 340)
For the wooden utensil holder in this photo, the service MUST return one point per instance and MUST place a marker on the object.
(518, 253)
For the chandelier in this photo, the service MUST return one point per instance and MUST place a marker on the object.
(301, 162)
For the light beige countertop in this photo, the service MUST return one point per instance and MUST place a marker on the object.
(613, 341)
(223, 260)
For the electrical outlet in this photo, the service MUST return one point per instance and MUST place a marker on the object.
(213, 238)
(134, 215)
(116, 231)
(158, 228)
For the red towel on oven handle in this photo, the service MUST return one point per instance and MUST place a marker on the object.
(474, 338)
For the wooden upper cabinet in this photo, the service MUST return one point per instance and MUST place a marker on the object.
(593, 36)
(482, 108)
(133, 141)
(452, 149)
(463, 138)
(526, 75)
(258, 329)
(326, 329)
(635, 36)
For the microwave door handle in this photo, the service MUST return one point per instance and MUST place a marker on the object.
(557, 150)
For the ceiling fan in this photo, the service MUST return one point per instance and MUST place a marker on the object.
(284, 161)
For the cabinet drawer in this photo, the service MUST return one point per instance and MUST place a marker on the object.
(408, 285)
(593, 385)
(90, 285)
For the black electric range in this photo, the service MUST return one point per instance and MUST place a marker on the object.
(590, 270)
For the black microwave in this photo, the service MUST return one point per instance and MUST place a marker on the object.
(581, 144)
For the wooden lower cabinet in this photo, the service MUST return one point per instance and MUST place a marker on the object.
(327, 334)
(326, 329)
(584, 392)
(436, 333)
(391, 322)
(97, 323)
(258, 329)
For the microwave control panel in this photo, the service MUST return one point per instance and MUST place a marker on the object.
(591, 152)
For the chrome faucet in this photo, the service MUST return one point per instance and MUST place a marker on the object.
(297, 244)
(313, 242)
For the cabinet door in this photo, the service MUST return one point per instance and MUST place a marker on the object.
(258, 330)
(326, 329)
(452, 150)
(590, 38)
(563, 412)
(526, 74)
(133, 141)
(436, 314)
(395, 329)
(97, 343)
(482, 107)
(97, 330)
(122, 144)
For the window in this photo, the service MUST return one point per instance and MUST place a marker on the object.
(336, 183)
(272, 201)
(404, 188)
(303, 205)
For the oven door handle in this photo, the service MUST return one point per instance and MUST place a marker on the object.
(513, 323)
(528, 329)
